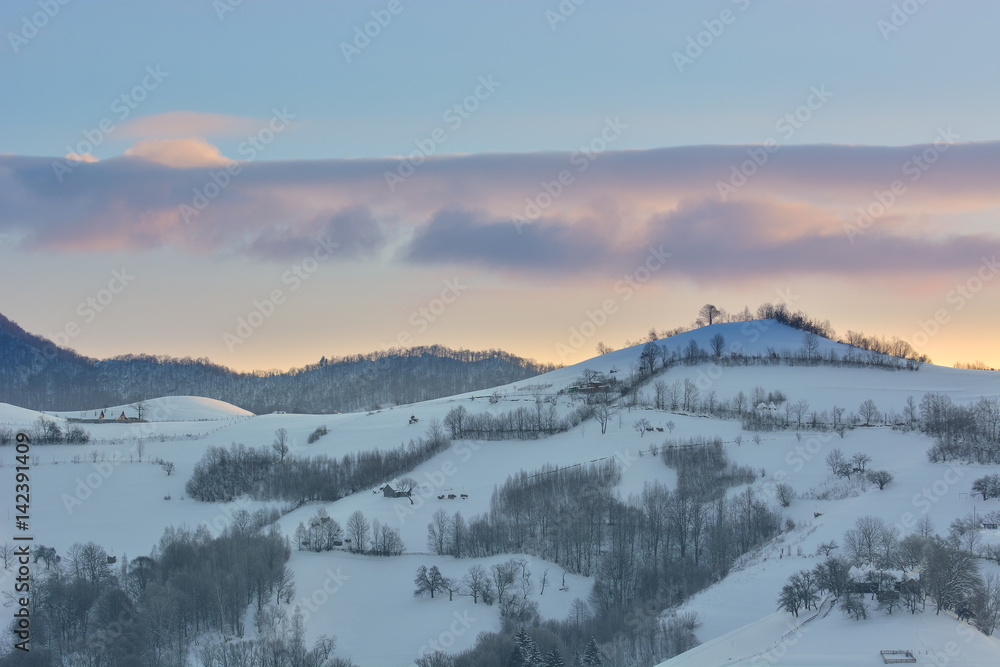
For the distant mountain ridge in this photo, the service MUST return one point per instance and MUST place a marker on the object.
(37, 374)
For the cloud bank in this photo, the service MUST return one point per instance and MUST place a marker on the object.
(722, 213)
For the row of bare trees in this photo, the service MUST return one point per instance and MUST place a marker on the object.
(268, 474)
(518, 424)
(968, 433)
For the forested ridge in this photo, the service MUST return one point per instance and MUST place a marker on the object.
(36, 374)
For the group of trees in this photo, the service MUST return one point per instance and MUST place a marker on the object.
(503, 582)
(646, 554)
(949, 573)
(224, 474)
(324, 533)
(281, 644)
(584, 638)
(778, 411)
(968, 433)
(841, 466)
(709, 314)
(988, 486)
(47, 432)
(518, 424)
(703, 467)
(150, 610)
(656, 356)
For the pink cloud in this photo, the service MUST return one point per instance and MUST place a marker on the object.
(179, 124)
(76, 157)
(182, 153)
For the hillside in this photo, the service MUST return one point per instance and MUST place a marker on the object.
(34, 373)
(368, 602)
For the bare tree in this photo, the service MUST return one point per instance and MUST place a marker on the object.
(837, 463)
(800, 409)
(718, 345)
(642, 425)
(140, 449)
(860, 461)
(477, 582)
(604, 410)
(868, 411)
(881, 478)
(871, 542)
(428, 581)
(604, 349)
(691, 392)
(648, 357)
(660, 387)
(826, 547)
(785, 493)
(168, 467)
(708, 313)
(739, 402)
(503, 576)
(810, 342)
(406, 485)
(910, 412)
(141, 408)
(358, 530)
(437, 532)
(280, 444)
(853, 604)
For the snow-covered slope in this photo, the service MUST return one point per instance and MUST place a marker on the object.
(124, 504)
(167, 408)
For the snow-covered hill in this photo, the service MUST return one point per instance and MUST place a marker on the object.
(102, 492)
(167, 408)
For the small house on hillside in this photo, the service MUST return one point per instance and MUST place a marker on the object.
(390, 492)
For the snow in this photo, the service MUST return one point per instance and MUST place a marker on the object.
(12, 415)
(833, 640)
(167, 408)
(121, 503)
(367, 602)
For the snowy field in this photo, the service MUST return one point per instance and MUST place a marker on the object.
(102, 492)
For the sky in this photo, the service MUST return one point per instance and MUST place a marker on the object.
(263, 184)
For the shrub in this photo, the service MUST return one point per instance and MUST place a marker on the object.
(317, 434)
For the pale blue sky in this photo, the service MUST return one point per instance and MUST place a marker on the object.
(606, 58)
(869, 99)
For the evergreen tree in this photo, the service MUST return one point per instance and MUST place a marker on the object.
(592, 654)
(554, 659)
